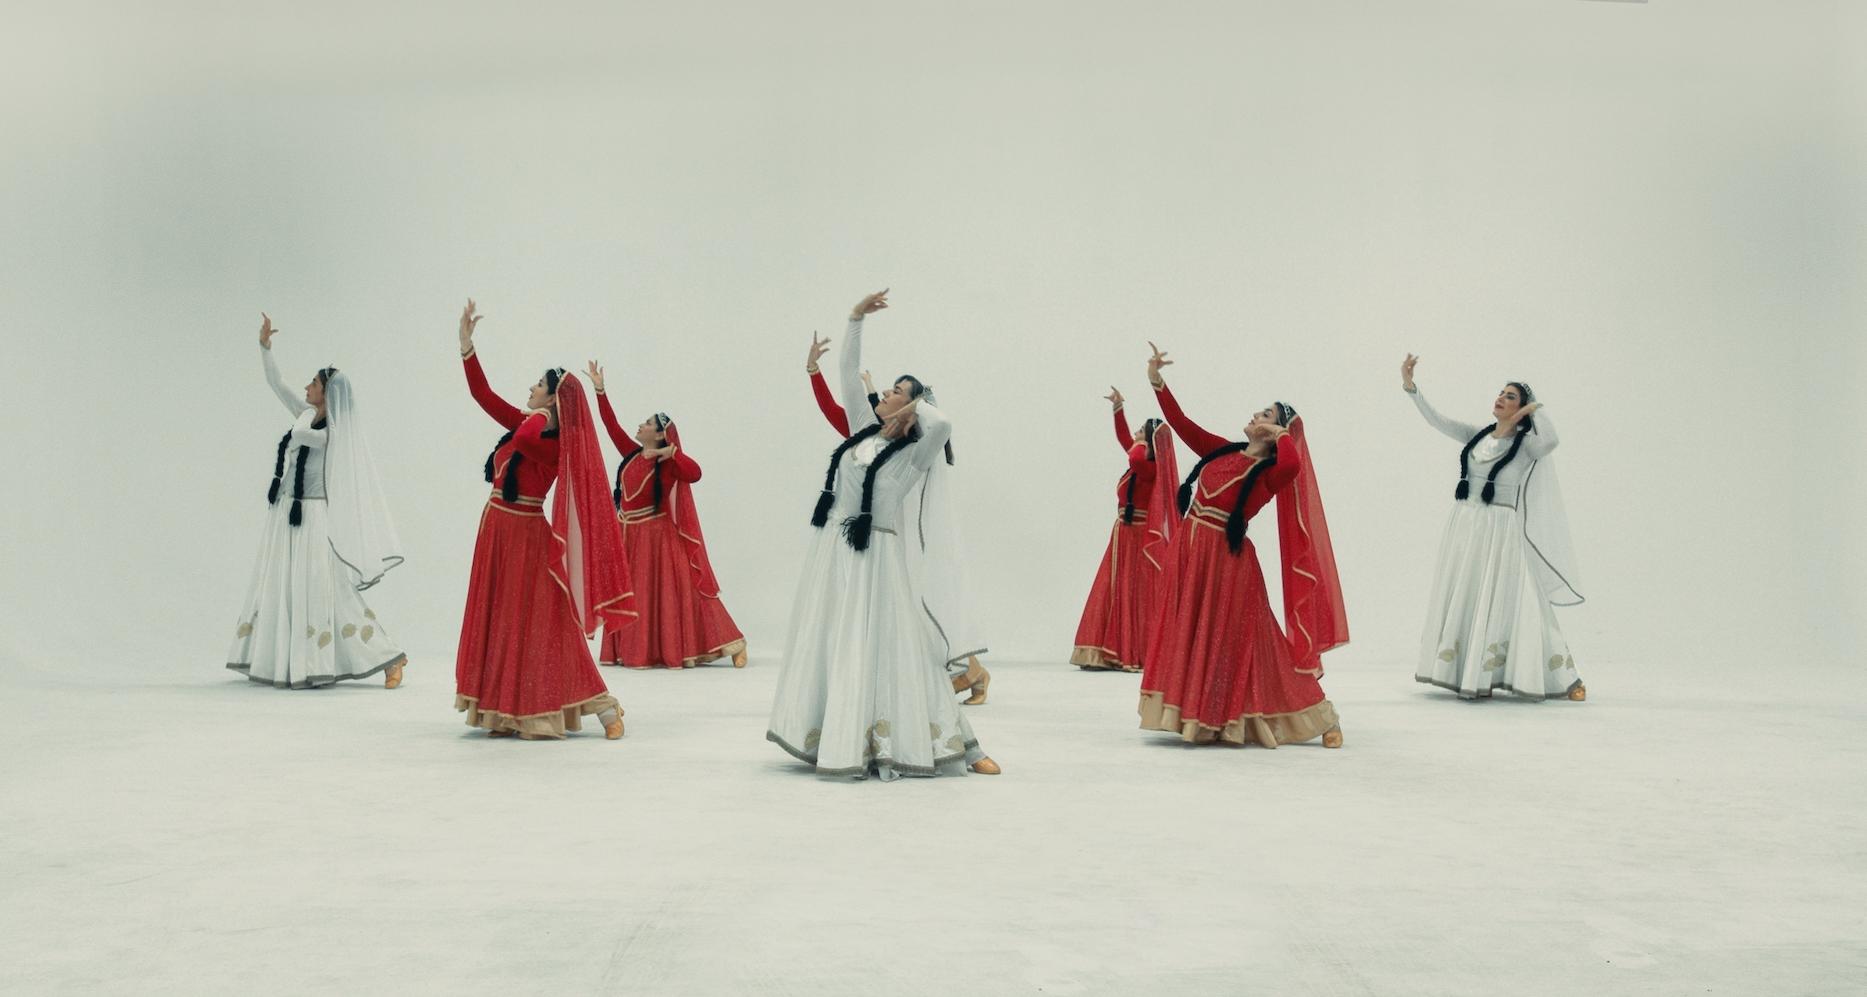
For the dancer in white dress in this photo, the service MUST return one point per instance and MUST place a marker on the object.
(1505, 560)
(327, 537)
(863, 687)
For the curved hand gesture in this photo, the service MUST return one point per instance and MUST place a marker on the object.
(1156, 362)
(468, 320)
(1524, 412)
(871, 304)
(868, 383)
(1114, 396)
(596, 375)
(1406, 371)
(818, 347)
(266, 331)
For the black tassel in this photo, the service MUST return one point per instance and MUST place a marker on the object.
(1235, 532)
(821, 515)
(856, 531)
(298, 487)
(1489, 493)
(827, 498)
(1185, 496)
(1464, 489)
(278, 469)
(509, 489)
(503, 440)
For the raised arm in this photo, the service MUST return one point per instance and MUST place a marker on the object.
(1185, 428)
(530, 439)
(683, 467)
(1289, 463)
(623, 441)
(1460, 431)
(502, 411)
(826, 400)
(936, 430)
(293, 403)
(1123, 436)
(1542, 438)
(849, 379)
(303, 435)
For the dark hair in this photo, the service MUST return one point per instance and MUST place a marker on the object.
(1464, 488)
(827, 497)
(661, 424)
(278, 469)
(298, 487)
(509, 488)
(324, 375)
(1234, 523)
(857, 530)
(915, 390)
(1147, 436)
(552, 377)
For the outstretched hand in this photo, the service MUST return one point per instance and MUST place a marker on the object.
(1406, 371)
(818, 347)
(266, 331)
(1114, 396)
(596, 375)
(871, 304)
(1156, 362)
(468, 322)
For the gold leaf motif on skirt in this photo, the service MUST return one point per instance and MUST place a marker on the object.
(370, 613)
(1569, 662)
(1555, 662)
(368, 632)
(812, 739)
(956, 743)
(245, 630)
(349, 631)
(311, 631)
(933, 731)
(324, 639)
(882, 728)
(1447, 655)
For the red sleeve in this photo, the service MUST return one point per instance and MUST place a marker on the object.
(1186, 429)
(685, 468)
(623, 441)
(502, 411)
(832, 409)
(530, 439)
(1137, 458)
(1289, 463)
(1122, 435)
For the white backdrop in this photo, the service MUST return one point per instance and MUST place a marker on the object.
(1649, 212)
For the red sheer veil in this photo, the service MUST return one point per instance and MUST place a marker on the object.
(590, 566)
(1314, 614)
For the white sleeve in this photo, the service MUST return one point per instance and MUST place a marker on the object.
(1542, 438)
(305, 436)
(936, 429)
(1460, 431)
(849, 369)
(293, 403)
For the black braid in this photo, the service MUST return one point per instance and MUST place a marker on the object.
(1186, 487)
(856, 530)
(616, 494)
(1234, 523)
(1464, 489)
(509, 490)
(827, 497)
(298, 486)
(278, 469)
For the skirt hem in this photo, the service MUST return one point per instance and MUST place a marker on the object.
(1485, 693)
(1267, 729)
(551, 724)
(316, 681)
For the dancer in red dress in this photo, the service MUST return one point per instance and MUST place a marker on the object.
(1124, 601)
(540, 588)
(1219, 669)
(682, 621)
(974, 680)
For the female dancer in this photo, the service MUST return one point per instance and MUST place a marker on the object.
(683, 622)
(328, 537)
(539, 590)
(1122, 602)
(862, 688)
(968, 676)
(1505, 559)
(1218, 668)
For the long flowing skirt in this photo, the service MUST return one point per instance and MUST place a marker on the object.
(1116, 619)
(1220, 668)
(304, 623)
(1488, 624)
(678, 626)
(523, 664)
(863, 687)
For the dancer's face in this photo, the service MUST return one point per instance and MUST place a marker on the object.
(648, 435)
(894, 399)
(1262, 422)
(314, 393)
(1508, 402)
(541, 396)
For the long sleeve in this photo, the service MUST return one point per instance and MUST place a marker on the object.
(1289, 464)
(1122, 435)
(529, 438)
(1542, 439)
(826, 403)
(502, 411)
(683, 467)
(1201, 441)
(305, 436)
(1460, 431)
(623, 441)
(849, 371)
(1137, 458)
(293, 403)
(936, 429)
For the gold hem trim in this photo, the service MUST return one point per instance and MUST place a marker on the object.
(551, 725)
(726, 650)
(1267, 729)
(1085, 656)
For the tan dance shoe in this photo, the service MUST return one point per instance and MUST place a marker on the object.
(500, 733)
(1578, 692)
(1332, 738)
(613, 729)
(393, 677)
(739, 659)
(986, 766)
(979, 689)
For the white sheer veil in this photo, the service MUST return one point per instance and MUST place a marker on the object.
(937, 557)
(1547, 544)
(362, 534)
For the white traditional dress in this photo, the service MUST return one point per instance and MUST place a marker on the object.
(305, 623)
(863, 687)
(1503, 567)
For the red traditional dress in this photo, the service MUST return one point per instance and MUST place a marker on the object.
(1219, 668)
(682, 620)
(1125, 599)
(540, 588)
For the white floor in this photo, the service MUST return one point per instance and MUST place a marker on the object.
(1675, 835)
